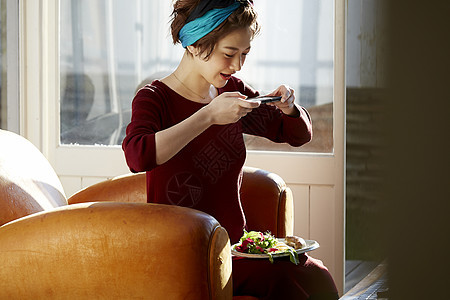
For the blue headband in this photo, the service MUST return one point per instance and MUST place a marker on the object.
(199, 27)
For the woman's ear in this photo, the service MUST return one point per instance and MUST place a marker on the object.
(193, 50)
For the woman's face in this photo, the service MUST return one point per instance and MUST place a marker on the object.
(227, 58)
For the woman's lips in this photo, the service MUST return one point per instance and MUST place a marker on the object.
(225, 76)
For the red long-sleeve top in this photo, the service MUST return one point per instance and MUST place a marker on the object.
(206, 173)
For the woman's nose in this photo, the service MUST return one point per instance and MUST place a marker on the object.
(237, 63)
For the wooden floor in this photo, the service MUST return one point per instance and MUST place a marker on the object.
(355, 271)
(365, 280)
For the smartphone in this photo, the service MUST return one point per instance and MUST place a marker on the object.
(265, 99)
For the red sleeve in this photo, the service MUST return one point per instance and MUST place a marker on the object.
(270, 122)
(146, 119)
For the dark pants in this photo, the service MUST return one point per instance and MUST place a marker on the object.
(309, 280)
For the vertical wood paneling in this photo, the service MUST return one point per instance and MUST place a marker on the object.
(301, 209)
(71, 184)
(322, 221)
(88, 181)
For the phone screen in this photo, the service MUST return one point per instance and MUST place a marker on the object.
(265, 99)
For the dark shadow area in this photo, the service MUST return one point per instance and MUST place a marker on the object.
(418, 190)
(364, 173)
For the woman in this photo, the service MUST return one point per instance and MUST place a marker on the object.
(186, 132)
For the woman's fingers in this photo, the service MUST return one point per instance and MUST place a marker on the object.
(230, 107)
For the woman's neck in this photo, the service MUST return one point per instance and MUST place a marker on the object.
(191, 84)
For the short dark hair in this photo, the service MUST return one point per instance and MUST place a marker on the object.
(242, 17)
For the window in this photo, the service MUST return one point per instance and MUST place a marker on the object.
(295, 47)
(108, 48)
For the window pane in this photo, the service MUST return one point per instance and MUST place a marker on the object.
(106, 50)
(109, 47)
(296, 48)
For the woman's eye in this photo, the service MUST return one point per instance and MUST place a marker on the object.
(232, 55)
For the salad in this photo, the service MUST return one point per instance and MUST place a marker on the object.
(256, 242)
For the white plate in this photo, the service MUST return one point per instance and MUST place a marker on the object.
(310, 245)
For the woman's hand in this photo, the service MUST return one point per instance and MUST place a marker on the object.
(229, 107)
(224, 109)
(286, 104)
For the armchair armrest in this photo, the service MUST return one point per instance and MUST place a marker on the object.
(126, 188)
(115, 251)
(267, 202)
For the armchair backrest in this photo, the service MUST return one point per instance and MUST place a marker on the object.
(125, 188)
(267, 202)
(28, 183)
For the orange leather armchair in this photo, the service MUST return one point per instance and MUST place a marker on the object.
(109, 243)
(100, 250)
(266, 200)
